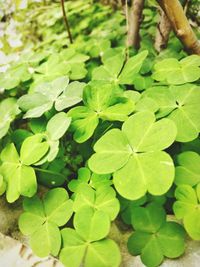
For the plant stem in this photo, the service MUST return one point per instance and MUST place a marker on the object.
(180, 24)
(162, 31)
(66, 21)
(134, 22)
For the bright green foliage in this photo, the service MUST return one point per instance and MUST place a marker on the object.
(55, 129)
(115, 71)
(187, 208)
(58, 125)
(19, 177)
(180, 104)
(88, 243)
(14, 76)
(102, 101)
(67, 62)
(42, 218)
(86, 177)
(71, 96)
(188, 171)
(8, 111)
(45, 94)
(172, 71)
(2, 185)
(103, 199)
(43, 97)
(154, 238)
(127, 206)
(134, 155)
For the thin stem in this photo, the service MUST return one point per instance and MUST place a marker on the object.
(127, 28)
(66, 21)
(48, 171)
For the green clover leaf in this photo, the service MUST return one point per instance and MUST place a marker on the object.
(102, 101)
(180, 104)
(115, 71)
(134, 156)
(55, 129)
(41, 220)
(17, 172)
(43, 97)
(85, 176)
(14, 76)
(177, 72)
(188, 171)
(76, 62)
(187, 208)
(52, 69)
(2, 185)
(8, 111)
(103, 199)
(20, 178)
(71, 96)
(46, 94)
(87, 243)
(153, 233)
(33, 149)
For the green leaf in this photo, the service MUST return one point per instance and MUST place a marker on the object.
(153, 233)
(106, 201)
(187, 208)
(103, 199)
(14, 76)
(2, 185)
(74, 248)
(20, 179)
(171, 234)
(110, 70)
(83, 177)
(132, 67)
(112, 152)
(10, 154)
(70, 97)
(102, 101)
(103, 254)
(53, 68)
(148, 219)
(45, 240)
(41, 219)
(188, 171)
(84, 122)
(134, 156)
(86, 221)
(177, 72)
(8, 111)
(180, 104)
(58, 125)
(44, 95)
(58, 208)
(33, 149)
(29, 223)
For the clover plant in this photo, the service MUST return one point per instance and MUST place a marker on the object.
(152, 231)
(42, 218)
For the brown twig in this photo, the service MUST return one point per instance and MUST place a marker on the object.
(66, 21)
(134, 22)
(162, 31)
(180, 24)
